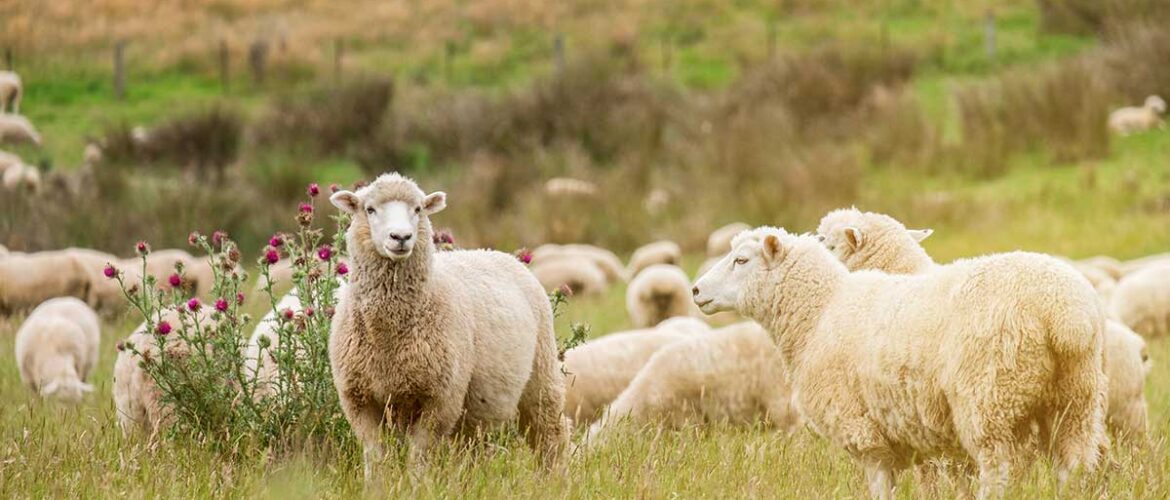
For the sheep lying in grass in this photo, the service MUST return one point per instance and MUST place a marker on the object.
(580, 275)
(1131, 119)
(958, 362)
(1141, 300)
(21, 177)
(16, 129)
(26, 280)
(733, 374)
(600, 369)
(57, 349)
(659, 292)
(11, 91)
(659, 252)
(607, 261)
(719, 242)
(1124, 354)
(433, 342)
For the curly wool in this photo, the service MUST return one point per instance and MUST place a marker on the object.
(57, 348)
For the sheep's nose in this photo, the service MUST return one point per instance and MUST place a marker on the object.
(695, 291)
(401, 238)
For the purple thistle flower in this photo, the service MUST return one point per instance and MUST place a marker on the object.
(217, 237)
(221, 305)
(120, 346)
(288, 313)
(314, 189)
(524, 255)
(193, 238)
(194, 304)
(305, 208)
(240, 298)
(163, 328)
(342, 269)
(276, 241)
(110, 271)
(324, 252)
(272, 256)
(175, 280)
(333, 188)
(142, 248)
(309, 311)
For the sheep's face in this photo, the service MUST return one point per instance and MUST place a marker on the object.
(392, 221)
(1156, 104)
(752, 255)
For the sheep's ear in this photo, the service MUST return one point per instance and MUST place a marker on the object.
(920, 234)
(773, 250)
(854, 237)
(346, 201)
(435, 202)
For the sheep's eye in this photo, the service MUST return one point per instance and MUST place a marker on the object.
(740, 261)
(370, 210)
(417, 209)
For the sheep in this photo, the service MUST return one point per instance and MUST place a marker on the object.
(719, 242)
(1123, 358)
(601, 369)
(263, 368)
(957, 362)
(659, 292)
(604, 259)
(565, 186)
(656, 201)
(21, 177)
(26, 280)
(92, 155)
(16, 129)
(1127, 364)
(3, 250)
(279, 274)
(1131, 266)
(57, 349)
(1141, 300)
(137, 399)
(659, 252)
(8, 160)
(431, 342)
(580, 275)
(11, 91)
(1104, 263)
(867, 240)
(1128, 120)
(733, 374)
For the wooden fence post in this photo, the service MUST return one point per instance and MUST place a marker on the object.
(258, 60)
(559, 52)
(338, 56)
(224, 66)
(120, 70)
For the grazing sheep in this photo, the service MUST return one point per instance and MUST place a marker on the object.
(868, 240)
(659, 252)
(92, 155)
(1131, 266)
(1123, 356)
(103, 294)
(11, 91)
(955, 363)
(719, 242)
(598, 370)
(433, 342)
(1104, 263)
(580, 275)
(16, 129)
(57, 349)
(659, 292)
(1141, 300)
(607, 261)
(137, 400)
(8, 160)
(26, 280)
(1131, 119)
(1127, 364)
(21, 177)
(566, 186)
(733, 374)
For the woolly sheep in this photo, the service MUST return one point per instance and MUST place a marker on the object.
(431, 342)
(1123, 355)
(566, 186)
(1131, 119)
(280, 274)
(92, 154)
(57, 349)
(11, 91)
(867, 240)
(733, 374)
(600, 369)
(3, 250)
(263, 368)
(1141, 300)
(958, 362)
(26, 280)
(659, 252)
(1131, 266)
(719, 242)
(607, 261)
(580, 275)
(8, 160)
(16, 129)
(21, 177)
(1104, 263)
(659, 292)
(137, 400)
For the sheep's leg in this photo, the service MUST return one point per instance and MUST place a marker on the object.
(1079, 437)
(880, 478)
(366, 421)
(994, 471)
(438, 418)
(542, 403)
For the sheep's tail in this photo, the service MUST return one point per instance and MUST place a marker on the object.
(1076, 338)
(542, 403)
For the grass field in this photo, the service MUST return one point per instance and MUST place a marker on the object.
(1117, 205)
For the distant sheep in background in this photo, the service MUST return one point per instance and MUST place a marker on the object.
(607, 261)
(1141, 300)
(659, 252)
(659, 292)
(57, 349)
(11, 91)
(565, 186)
(16, 129)
(1128, 120)
(579, 274)
(21, 177)
(719, 242)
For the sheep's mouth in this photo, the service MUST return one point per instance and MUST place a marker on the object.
(703, 303)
